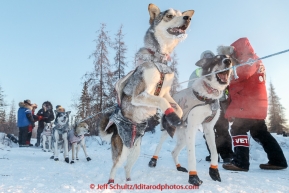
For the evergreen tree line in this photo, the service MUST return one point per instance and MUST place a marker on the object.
(98, 93)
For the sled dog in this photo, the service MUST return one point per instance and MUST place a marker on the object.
(146, 89)
(200, 106)
(59, 135)
(76, 139)
(46, 136)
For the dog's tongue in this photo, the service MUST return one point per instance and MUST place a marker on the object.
(223, 76)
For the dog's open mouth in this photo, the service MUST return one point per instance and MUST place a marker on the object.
(177, 30)
(223, 77)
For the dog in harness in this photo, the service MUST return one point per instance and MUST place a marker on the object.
(46, 136)
(200, 107)
(60, 134)
(145, 89)
(76, 139)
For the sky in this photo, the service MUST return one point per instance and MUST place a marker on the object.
(45, 45)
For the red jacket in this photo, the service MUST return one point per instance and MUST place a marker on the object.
(248, 93)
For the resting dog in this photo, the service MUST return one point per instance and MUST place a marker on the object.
(200, 106)
(46, 136)
(59, 135)
(76, 139)
(146, 89)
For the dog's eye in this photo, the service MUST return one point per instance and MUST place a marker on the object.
(170, 16)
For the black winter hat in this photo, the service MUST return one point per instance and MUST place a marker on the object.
(27, 102)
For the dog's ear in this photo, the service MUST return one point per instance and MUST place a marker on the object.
(68, 112)
(154, 11)
(203, 62)
(55, 111)
(225, 50)
(189, 13)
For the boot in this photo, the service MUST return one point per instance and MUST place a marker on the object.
(271, 167)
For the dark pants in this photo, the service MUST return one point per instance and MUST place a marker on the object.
(260, 134)
(28, 138)
(223, 138)
(39, 131)
(23, 132)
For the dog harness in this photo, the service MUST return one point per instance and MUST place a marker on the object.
(188, 99)
(128, 131)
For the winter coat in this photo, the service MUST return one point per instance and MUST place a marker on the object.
(46, 116)
(24, 115)
(247, 94)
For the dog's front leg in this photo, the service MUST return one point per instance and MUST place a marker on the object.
(65, 148)
(146, 99)
(190, 132)
(82, 143)
(55, 144)
(44, 143)
(73, 146)
(49, 143)
(181, 143)
(153, 161)
(210, 138)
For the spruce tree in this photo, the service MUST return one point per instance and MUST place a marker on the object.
(276, 114)
(11, 123)
(99, 80)
(3, 122)
(120, 49)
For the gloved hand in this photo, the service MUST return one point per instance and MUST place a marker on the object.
(40, 118)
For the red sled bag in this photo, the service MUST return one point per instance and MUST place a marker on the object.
(248, 93)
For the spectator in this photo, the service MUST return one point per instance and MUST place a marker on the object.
(45, 114)
(24, 119)
(30, 127)
(248, 110)
(223, 139)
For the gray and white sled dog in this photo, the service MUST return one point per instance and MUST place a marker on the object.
(46, 136)
(60, 135)
(76, 139)
(200, 106)
(146, 89)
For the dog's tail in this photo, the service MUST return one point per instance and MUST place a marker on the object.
(105, 128)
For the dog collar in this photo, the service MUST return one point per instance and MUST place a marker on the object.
(163, 57)
(202, 98)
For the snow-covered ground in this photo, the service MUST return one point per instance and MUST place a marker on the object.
(31, 170)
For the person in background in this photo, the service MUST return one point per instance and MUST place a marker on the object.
(45, 114)
(30, 127)
(221, 128)
(24, 119)
(247, 109)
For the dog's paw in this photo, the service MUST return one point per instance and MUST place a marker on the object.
(71, 162)
(182, 169)
(88, 159)
(77, 159)
(214, 173)
(66, 160)
(110, 181)
(128, 179)
(173, 118)
(153, 163)
(194, 179)
(52, 157)
(169, 128)
(56, 159)
(44, 150)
